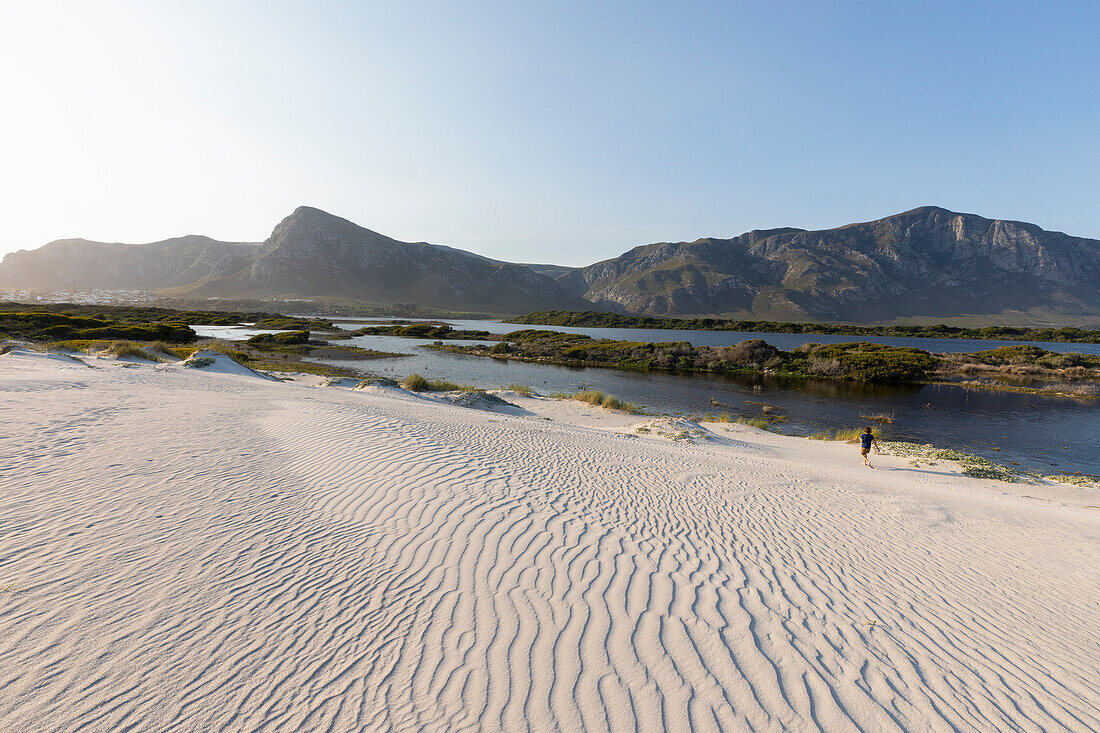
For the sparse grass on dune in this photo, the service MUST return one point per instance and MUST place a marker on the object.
(304, 367)
(522, 389)
(971, 465)
(177, 352)
(597, 398)
(1078, 479)
(150, 351)
(131, 350)
(229, 348)
(590, 396)
(757, 422)
(763, 422)
(417, 383)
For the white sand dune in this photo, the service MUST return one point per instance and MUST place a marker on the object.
(186, 551)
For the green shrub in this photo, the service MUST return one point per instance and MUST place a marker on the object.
(174, 332)
(287, 338)
(1021, 354)
(867, 362)
(424, 331)
(753, 351)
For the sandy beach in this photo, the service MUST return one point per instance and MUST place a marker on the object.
(211, 550)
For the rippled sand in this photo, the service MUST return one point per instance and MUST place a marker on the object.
(185, 551)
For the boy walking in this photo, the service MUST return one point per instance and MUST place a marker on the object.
(867, 439)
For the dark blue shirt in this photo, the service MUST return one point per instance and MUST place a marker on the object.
(866, 438)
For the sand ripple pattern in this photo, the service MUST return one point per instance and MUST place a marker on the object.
(190, 552)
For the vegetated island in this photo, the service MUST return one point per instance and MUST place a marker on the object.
(600, 319)
(1012, 368)
(160, 334)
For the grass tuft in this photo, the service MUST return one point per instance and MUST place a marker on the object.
(756, 422)
(416, 383)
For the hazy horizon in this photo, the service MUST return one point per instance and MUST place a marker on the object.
(564, 133)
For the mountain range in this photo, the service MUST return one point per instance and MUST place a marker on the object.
(928, 262)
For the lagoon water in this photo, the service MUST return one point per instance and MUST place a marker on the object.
(784, 341)
(1047, 434)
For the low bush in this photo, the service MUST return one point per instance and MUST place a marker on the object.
(286, 338)
(867, 362)
(1021, 354)
(174, 332)
(753, 351)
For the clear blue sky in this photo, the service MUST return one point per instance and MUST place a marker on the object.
(559, 131)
